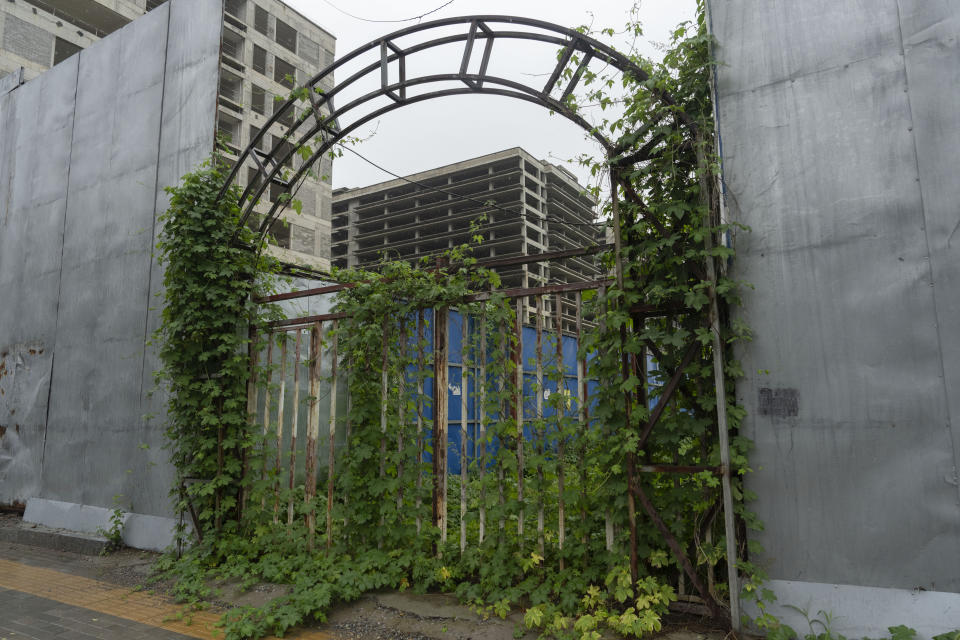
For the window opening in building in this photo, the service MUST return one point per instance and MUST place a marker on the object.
(108, 20)
(258, 100)
(253, 174)
(284, 72)
(276, 191)
(288, 116)
(261, 20)
(153, 4)
(260, 59)
(231, 88)
(228, 130)
(286, 36)
(236, 8)
(63, 49)
(264, 141)
(282, 150)
(232, 44)
(280, 231)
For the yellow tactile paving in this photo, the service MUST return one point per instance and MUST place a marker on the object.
(102, 597)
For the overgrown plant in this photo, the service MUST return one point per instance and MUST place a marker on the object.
(113, 532)
(385, 330)
(210, 283)
(382, 533)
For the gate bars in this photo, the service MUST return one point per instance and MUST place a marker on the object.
(556, 313)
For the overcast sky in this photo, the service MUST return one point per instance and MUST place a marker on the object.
(446, 130)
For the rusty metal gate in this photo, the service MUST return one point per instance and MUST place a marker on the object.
(321, 124)
(304, 405)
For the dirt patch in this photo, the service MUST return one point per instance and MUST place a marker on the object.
(391, 616)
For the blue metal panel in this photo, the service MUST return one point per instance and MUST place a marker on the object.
(455, 389)
(529, 396)
(570, 355)
(473, 397)
(455, 337)
(453, 450)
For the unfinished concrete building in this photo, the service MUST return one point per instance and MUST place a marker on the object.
(38, 34)
(524, 206)
(265, 48)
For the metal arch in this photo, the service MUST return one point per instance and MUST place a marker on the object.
(327, 116)
(330, 140)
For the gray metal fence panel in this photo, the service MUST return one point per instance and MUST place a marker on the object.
(855, 458)
(95, 398)
(37, 123)
(85, 151)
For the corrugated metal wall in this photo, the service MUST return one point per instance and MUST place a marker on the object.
(840, 123)
(85, 151)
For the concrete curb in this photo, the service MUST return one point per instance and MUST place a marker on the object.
(140, 531)
(55, 539)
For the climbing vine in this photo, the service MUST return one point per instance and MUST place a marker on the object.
(209, 285)
(547, 501)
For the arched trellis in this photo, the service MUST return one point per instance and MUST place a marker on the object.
(323, 124)
(326, 122)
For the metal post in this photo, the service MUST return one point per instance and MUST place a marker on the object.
(293, 428)
(280, 407)
(333, 433)
(481, 441)
(615, 206)
(348, 432)
(421, 320)
(383, 417)
(266, 416)
(440, 422)
(625, 370)
(561, 436)
(465, 325)
(518, 412)
(252, 393)
(540, 436)
(720, 384)
(383, 403)
(503, 414)
(608, 530)
(583, 419)
(401, 411)
(313, 429)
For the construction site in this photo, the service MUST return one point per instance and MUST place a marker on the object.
(727, 372)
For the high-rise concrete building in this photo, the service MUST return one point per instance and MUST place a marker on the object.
(524, 206)
(266, 47)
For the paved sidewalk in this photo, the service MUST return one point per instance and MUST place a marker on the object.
(25, 616)
(42, 603)
(51, 594)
